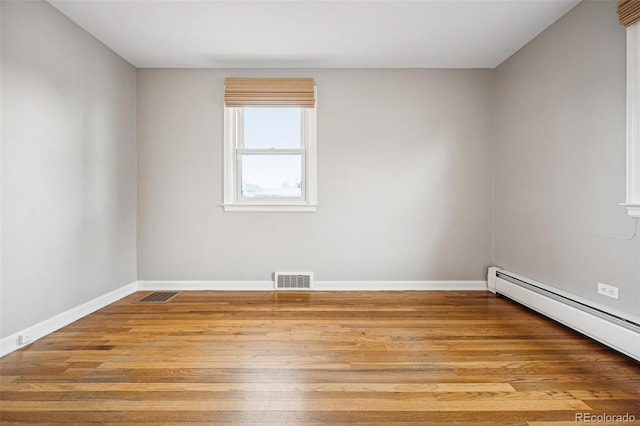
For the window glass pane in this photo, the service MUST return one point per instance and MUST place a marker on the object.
(271, 175)
(266, 128)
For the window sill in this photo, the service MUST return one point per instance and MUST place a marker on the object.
(632, 209)
(308, 208)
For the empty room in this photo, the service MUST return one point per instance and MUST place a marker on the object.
(320, 212)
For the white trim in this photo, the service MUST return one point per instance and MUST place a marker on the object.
(229, 177)
(491, 278)
(311, 157)
(606, 332)
(399, 285)
(633, 121)
(205, 285)
(35, 332)
(317, 285)
(632, 209)
(257, 207)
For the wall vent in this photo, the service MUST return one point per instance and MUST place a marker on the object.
(293, 280)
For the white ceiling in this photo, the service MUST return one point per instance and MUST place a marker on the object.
(314, 34)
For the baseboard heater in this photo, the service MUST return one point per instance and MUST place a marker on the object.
(617, 331)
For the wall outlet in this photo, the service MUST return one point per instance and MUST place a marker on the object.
(608, 290)
(23, 339)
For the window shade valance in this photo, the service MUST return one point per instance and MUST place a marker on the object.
(628, 12)
(279, 92)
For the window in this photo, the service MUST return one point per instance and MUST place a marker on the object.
(270, 149)
(629, 16)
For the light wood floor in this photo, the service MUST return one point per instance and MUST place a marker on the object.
(362, 358)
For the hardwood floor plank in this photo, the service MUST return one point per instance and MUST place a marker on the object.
(338, 404)
(315, 358)
(248, 417)
(259, 387)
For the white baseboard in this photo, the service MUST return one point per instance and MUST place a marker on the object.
(317, 285)
(205, 285)
(399, 285)
(35, 332)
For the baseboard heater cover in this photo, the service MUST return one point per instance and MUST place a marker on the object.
(612, 330)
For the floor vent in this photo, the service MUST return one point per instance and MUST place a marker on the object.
(158, 297)
(293, 280)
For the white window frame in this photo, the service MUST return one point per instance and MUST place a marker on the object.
(632, 203)
(233, 149)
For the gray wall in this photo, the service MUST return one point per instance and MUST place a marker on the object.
(405, 170)
(404, 182)
(68, 166)
(560, 160)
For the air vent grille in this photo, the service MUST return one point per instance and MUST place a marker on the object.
(293, 280)
(158, 297)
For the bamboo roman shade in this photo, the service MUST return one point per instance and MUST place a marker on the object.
(277, 92)
(628, 12)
